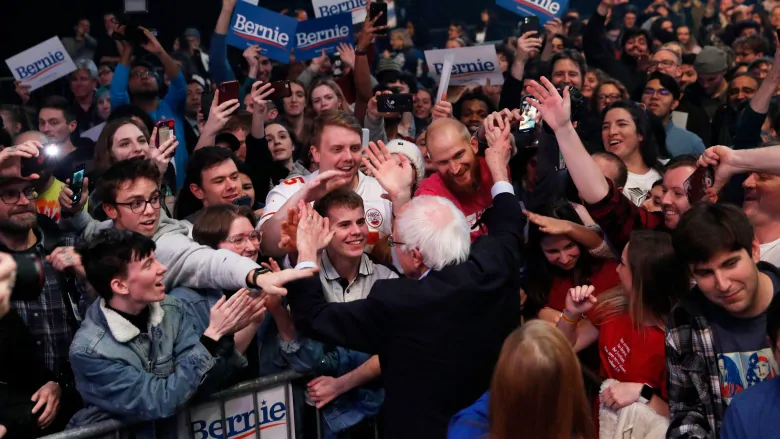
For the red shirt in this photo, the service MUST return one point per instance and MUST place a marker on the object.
(604, 279)
(633, 355)
(473, 205)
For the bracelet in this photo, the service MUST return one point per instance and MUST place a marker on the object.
(254, 278)
(568, 320)
(361, 52)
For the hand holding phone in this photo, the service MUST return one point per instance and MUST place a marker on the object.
(378, 10)
(227, 91)
(76, 184)
(395, 103)
(281, 90)
(698, 183)
(165, 130)
(529, 24)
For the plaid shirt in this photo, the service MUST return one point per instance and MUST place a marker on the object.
(695, 400)
(618, 217)
(47, 316)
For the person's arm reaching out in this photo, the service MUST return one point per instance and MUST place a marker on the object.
(219, 68)
(728, 162)
(325, 389)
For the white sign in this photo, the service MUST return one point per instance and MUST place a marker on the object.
(392, 20)
(273, 417)
(444, 78)
(326, 8)
(41, 64)
(472, 65)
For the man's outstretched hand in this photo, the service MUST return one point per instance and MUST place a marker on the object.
(314, 233)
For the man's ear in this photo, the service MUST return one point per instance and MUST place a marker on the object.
(474, 145)
(119, 287)
(756, 250)
(675, 104)
(417, 258)
(315, 154)
(72, 125)
(197, 191)
(110, 210)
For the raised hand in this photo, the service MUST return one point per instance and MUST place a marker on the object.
(153, 45)
(318, 62)
(251, 55)
(395, 178)
(721, 158)
(554, 109)
(63, 258)
(580, 299)
(442, 109)
(369, 30)
(67, 206)
(260, 93)
(325, 182)
(552, 28)
(547, 225)
(499, 149)
(347, 54)
(372, 110)
(219, 114)
(161, 155)
(528, 45)
(226, 314)
(25, 150)
(288, 241)
(314, 232)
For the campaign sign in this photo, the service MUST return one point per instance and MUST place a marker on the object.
(546, 10)
(471, 65)
(326, 8)
(322, 33)
(41, 64)
(253, 25)
(272, 419)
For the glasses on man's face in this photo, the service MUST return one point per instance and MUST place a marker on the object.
(141, 74)
(661, 92)
(393, 243)
(240, 240)
(138, 206)
(664, 63)
(12, 196)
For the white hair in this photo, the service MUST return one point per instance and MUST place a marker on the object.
(437, 229)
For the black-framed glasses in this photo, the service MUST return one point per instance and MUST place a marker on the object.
(12, 196)
(239, 240)
(660, 91)
(611, 97)
(138, 206)
(666, 63)
(393, 243)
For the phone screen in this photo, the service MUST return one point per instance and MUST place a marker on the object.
(76, 183)
(697, 184)
(227, 91)
(164, 133)
(529, 117)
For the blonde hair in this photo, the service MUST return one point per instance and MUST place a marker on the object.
(537, 389)
(405, 35)
(333, 86)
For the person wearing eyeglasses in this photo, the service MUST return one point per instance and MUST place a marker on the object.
(741, 89)
(661, 96)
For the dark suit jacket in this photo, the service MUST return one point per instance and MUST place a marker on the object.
(437, 338)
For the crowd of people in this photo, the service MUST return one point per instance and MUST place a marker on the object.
(589, 249)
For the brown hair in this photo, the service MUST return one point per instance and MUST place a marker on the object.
(333, 86)
(242, 120)
(537, 389)
(342, 197)
(104, 158)
(212, 224)
(335, 118)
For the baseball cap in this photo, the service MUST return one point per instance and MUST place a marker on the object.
(711, 60)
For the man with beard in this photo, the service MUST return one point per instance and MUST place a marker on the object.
(49, 312)
(740, 90)
(461, 176)
(137, 83)
(710, 90)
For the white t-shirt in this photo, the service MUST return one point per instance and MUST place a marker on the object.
(379, 211)
(770, 252)
(638, 186)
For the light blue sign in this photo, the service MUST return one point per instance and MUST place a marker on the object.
(546, 10)
(253, 25)
(322, 33)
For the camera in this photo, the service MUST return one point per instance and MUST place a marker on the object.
(46, 159)
(579, 106)
(338, 68)
(29, 275)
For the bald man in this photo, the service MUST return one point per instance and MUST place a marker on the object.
(461, 176)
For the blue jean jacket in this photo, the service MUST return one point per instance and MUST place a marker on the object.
(130, 376)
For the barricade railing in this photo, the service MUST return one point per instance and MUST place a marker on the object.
(261, 408)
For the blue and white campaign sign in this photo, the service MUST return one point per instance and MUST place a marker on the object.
(253, 25)
(322, 33)
(41, 64)
(470, 65)
(546, 10)
(326, 8)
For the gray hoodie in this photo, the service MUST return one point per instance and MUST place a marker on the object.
(189, 263)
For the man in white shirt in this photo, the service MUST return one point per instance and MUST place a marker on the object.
(337, 147)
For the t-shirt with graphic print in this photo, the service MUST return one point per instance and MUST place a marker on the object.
(639, 185)
(744, 355)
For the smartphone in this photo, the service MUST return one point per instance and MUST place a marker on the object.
(227, 91)
(77, 182)
(165, 130)
(697, 184)
(529, 24)
(281, 90)
(373, 12)
(205, 103)
(529, 116)
(395, 103)
(243, 201)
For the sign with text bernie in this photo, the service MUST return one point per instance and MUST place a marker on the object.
(41, 64)
(326, 8)
(546, 10)
(471, 65)
(253, 25)
(326, 33)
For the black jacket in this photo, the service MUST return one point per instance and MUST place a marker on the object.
(438, 338)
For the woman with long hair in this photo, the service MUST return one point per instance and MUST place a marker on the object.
(295, 107)
(286, 150)
(559, 259)
(325, 94)
(627, 132)
(537, 392)
(629, 322)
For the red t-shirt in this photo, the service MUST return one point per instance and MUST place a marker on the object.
(472, 206)
(604, 279)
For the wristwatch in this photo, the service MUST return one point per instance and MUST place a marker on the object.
(646, 394)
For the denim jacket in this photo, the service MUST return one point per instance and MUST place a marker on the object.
(131, 376)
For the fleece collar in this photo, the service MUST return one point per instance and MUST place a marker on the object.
(124, 331)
